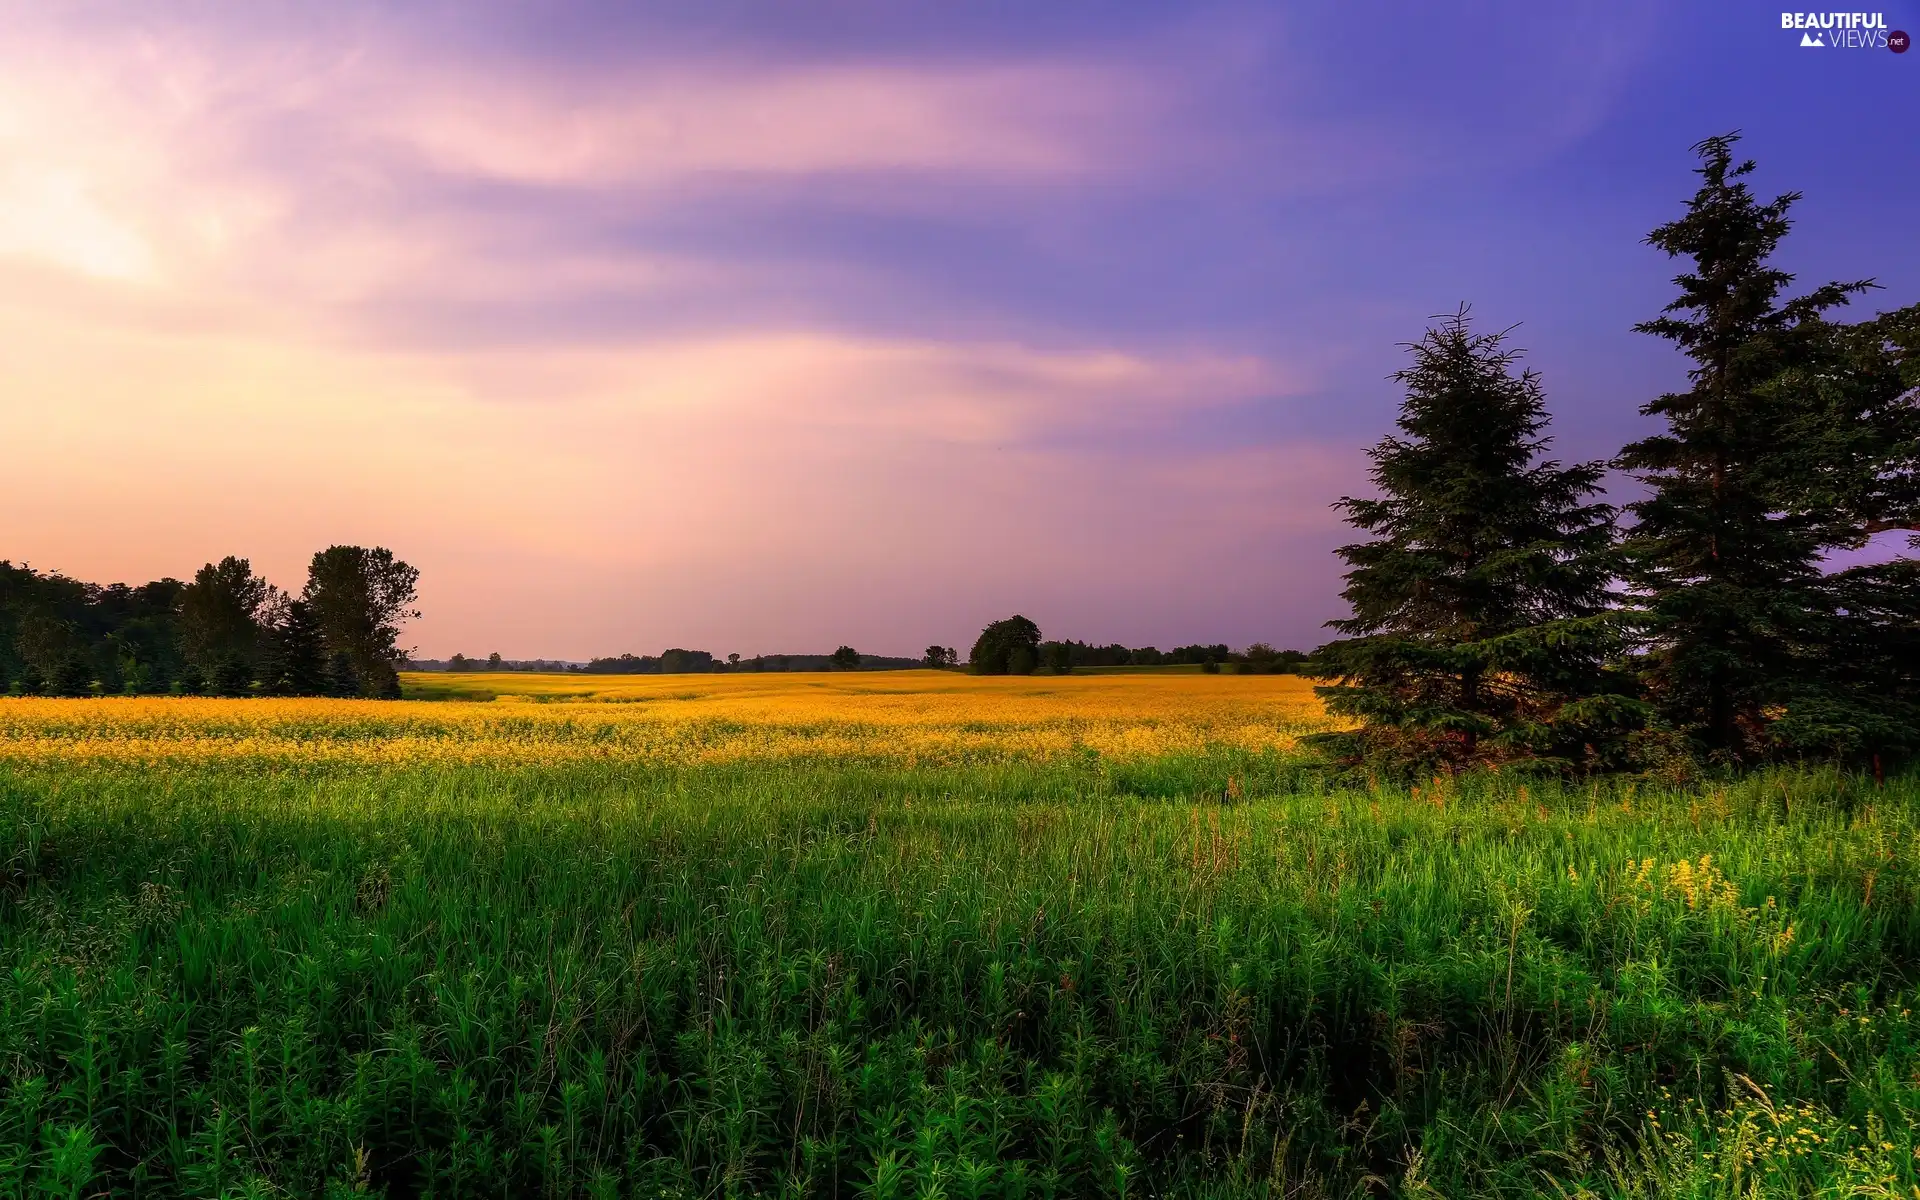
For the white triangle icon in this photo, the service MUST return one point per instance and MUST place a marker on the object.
(1811, 39)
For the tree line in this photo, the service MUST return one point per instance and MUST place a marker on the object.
(1013, 646)
(227, 632)
(675, 661)
(1504, 614)
(1054, 657)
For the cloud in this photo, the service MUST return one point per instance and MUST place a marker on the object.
(121, 137)
(662, 126)
(51, 216)
(369, 174)
(765, 441)
(674, 331)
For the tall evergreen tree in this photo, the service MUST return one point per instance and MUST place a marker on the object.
(1480, 627)
(1848, 460)
(1724, 567)
(294, 662)
(1848, 468)
(343, 680)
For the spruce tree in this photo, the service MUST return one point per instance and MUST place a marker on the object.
(1481, 629)
(295, 658)
(1848, 459)
(1725, 571)
(1847, 467)
(343, 678)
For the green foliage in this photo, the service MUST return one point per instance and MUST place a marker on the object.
(1847, 468)
(1198, 654)
(1076, 979)
(846, 658)
(1848, 463)
(220, 634)
(1775, 454)
(294, 661)
(220, 623)
(360, 596)
(54, 654)
(1064, 657)
(343, 676)
(940, 657)
(1262, 659)
(191, 682)
(1480, 622)
(1006, 646)
(139, 646)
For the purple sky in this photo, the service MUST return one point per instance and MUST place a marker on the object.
(778, 326)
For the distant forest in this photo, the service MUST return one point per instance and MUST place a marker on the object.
(226, 632)
(668, 662)
(1056, 657)
(229, 632)
(1014, 646)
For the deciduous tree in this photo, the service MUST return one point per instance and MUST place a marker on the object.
(220, 615)
(361, 596)
(1005, 646)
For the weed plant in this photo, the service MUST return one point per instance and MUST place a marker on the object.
(1204, 975)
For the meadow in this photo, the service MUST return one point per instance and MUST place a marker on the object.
(923, 935)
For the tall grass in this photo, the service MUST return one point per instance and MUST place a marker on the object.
(1193, 975)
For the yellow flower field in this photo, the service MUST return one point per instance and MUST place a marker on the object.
(896, 716)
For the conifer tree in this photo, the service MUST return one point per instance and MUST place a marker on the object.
(1724, 565)
(1848, 460)
(1848, 468)
(343, 679)
(294, 662)
(1480, 623)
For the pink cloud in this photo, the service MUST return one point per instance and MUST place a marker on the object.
(197, 237)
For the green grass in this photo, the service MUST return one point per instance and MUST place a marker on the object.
(1073, 979)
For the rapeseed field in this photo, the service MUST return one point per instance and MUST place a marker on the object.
(892, 717)
(923, 935)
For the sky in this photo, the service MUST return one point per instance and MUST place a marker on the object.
(770, 327)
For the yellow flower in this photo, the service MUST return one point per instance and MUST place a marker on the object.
(903, 717)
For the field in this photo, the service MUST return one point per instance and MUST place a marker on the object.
(897, 718)
(923, 935)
